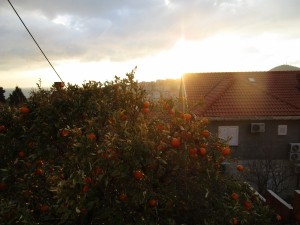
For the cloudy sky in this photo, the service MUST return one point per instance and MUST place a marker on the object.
(96, 39)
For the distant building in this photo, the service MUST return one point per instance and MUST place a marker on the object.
(162, 89)
(258, 112)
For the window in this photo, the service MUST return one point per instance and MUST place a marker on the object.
(282, 129)
(230, 134)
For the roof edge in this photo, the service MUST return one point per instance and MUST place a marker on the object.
(239, 118)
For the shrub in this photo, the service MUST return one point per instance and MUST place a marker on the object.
(103, 154)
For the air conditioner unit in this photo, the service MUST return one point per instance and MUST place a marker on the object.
(294, 156)
(294, 147)
(257, 127)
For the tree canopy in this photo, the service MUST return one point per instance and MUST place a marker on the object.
(104, 154)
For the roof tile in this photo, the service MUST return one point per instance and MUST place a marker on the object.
(272, 93)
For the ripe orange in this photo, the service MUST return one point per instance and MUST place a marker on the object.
(145, 110)
(146, 104)
(138, 175)
(2, 128)
(175, 142)
(235, 196)
(187, 117)
(248, 205)
(240, 168)
(124, 117)
(226, 151)
(21, 154)
(153, 202)
(193, 152)
(205, 133)
(91, 136)
(235, 221)
(85, 188)
(24, 110)
(202, 151)
(88, 180)
(278, 217)
(44, 208)
(123, 197)
(39, 172)
(64, 133)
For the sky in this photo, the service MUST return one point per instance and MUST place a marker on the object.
(96, 40)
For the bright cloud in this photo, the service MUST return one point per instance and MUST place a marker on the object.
(95, 39)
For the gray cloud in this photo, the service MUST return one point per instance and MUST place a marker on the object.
(118, 29)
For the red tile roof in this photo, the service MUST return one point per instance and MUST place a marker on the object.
(243, 94)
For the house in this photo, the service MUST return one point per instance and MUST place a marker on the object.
(257, 112)
(161, 88)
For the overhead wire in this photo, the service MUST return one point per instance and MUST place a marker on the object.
(35, 41)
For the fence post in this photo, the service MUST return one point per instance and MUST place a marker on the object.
(296, 205)
(279, 205)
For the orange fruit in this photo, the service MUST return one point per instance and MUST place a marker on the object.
(123, 197)
(153, 202)
(24, 110)
(278, 217)
(21, 154)
(226, 151)
(85, 188)
(91, 136)
(235, 221)
(145, 110)
(205, 133)
(138, 175)
(146, 104)
(175, 142)
(124, 117)
(2, 128)
(187, 116)
(88, 180)
(39, 172)
(64, 133)
(193, 152)
(44, 208)
(248, 205)
(235, 196)
(240, 168)
(202, 151)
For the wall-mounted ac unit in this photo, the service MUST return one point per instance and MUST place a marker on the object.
(257, 127)
(295, 151)
(295, 147)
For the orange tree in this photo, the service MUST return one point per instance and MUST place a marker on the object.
(101, 154)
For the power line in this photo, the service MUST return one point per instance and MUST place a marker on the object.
(34, 40)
